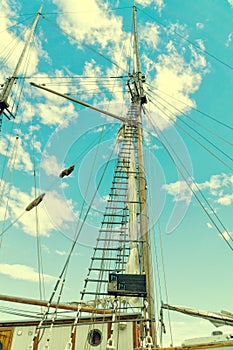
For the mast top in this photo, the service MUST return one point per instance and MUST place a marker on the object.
(138, 94)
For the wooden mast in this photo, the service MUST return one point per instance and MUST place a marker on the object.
(140, 99)
(10, 81)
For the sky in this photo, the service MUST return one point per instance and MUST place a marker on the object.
(186, 55)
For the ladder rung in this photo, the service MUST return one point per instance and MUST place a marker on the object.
(118, 189)
(108, 259)
(104, 270)
(112, 230)
(119, 183)
(121, 177)
(95, 280)
(112, 249)
(128, 172)
(120, 240)
(116, 215)
(115, 208)
(114, 222)
(117, 195)
(94, 293)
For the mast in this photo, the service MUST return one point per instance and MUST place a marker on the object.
(10, 81)
(139, 98)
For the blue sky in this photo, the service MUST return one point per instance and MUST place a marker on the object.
(186, 50)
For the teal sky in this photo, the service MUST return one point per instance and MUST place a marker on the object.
(186, 52)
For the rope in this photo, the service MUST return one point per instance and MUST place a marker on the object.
(155, 257)
(10, 168)
(208, 53)
(65, 267)
(193, 120)
(85, 45)
(191, 189)
(192, 108)
(192, 137)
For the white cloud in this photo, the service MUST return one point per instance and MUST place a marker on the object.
(60, 252)
(159, 3)
(64, 185)
(90, 70)
(227, 235)
(16, 205)
(176, 77)
(19, 158)
(55, 212)
(24, 272)
(91, 23)
(94, 25)
(225, 199)
(229, 39)
(60, 210)
(199, 25)
(219, 186)
(179, 190)
(14, 46)
(175, 80)
(51, 165)
(150, 34)
(50, 108)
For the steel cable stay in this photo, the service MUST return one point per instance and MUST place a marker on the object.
(38, 242)
(17, 312)
(24, 211)
(156, 271)
(67, 261)
(78, 234)
(163, 273)
(9, 108)
(8, 50)
(155, 102)
(79, 84)
(169, 151)
(17, 97)
(5, 191)
(75, 12)
(84, 45)
(21, 82)
(79, 222)
(31, 314)
(100, 138)
(93, 164)
(160, 238)
(190, 107)
(80, 156)
(53, 184)
(202, 126)
(30, 16)
(71, 78)
(192, 119)
(5, 168)
(196, 185)
(168, 118)
(11, 47)
(191, 43)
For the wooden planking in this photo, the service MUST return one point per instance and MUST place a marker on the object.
(6, 335)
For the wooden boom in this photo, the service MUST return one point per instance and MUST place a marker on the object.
(53, 305)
